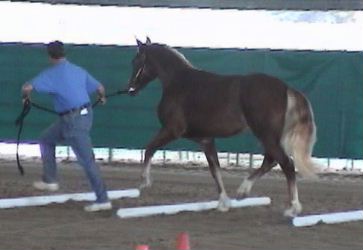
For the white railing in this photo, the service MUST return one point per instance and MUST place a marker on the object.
(164, 157)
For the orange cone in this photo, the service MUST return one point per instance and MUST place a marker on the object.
(142, 247)
(182, 242)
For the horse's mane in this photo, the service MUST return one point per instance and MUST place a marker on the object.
(168, 51)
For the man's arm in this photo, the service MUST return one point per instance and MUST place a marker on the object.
(101, 93)
(26, 90)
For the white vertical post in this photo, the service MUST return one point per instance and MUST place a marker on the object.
(141, 155)
(164, 157)
(110, 155)
(251, 160)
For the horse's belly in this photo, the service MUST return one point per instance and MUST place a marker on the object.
(216, 129)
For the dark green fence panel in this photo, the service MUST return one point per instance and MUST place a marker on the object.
(333, 82)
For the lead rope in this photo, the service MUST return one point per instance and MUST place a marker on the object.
(119, 92)
(26, 109)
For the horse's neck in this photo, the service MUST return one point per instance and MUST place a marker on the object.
(168, 70)
(168, 63)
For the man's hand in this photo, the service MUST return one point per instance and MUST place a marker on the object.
(101, 94)
(26, 99)
(102, 99)
(26, 90)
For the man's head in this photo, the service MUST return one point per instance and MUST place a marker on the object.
(56, 50)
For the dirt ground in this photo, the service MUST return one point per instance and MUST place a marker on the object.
(67, 226)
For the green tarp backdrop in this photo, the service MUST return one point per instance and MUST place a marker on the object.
(332, 81)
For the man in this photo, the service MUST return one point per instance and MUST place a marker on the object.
(70, 87)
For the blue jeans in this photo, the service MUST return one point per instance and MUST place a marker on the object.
(72, 129)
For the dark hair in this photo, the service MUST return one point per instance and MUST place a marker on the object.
(56, 49)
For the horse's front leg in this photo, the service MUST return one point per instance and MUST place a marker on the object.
(161, 139)
(214, 167)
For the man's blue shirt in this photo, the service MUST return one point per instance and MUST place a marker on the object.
(69, 84)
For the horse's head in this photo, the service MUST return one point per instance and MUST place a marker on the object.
(142, 70)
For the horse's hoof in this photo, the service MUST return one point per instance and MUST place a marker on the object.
(224, 205)
(293, 211)
(223, 209)
(144, 185)
(244, 189)
(242, 195)
(290, 213)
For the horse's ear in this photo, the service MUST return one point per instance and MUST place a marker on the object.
(139, 43)
(148, 41)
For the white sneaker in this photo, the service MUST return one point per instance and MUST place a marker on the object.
(95, 207)
(41, 185)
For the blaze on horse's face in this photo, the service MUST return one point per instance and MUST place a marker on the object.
(142, 71)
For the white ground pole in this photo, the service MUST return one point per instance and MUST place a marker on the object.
(196, 206)
(62, 198)
(330, 218)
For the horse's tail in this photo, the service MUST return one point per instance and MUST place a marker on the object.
(299, 133)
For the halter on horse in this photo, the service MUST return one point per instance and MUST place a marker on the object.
(201, 106)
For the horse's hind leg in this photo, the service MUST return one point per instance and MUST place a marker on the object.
(288, 168)
(162, 138)
(246, 186)
(214, 167)
(295, 205)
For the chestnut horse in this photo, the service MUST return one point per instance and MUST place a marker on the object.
(201, 106)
